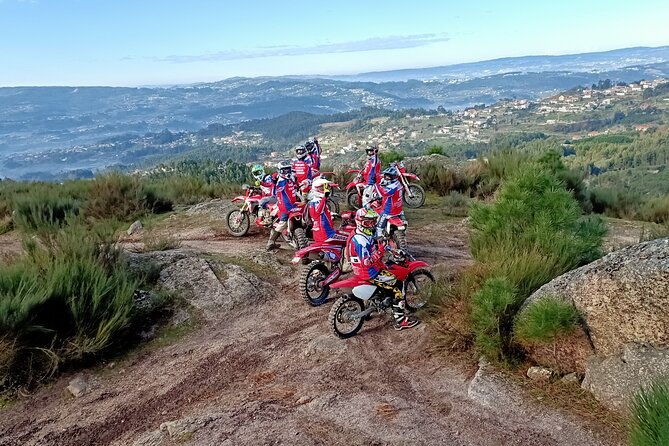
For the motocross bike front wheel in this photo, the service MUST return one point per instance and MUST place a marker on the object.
(238, 222)
(353, 199)
(415, 196)
(341, 322)
(418, 288)
(310, 291)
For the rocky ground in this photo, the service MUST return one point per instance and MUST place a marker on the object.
(263, 368)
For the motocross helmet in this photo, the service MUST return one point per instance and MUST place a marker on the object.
(301, 152)
(372, 150)
(320, 186)
(258, 172)
(365, 221)
(310, 145)
(284, 169)
(390, 174)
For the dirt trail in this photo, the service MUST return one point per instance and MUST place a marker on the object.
(274, 374)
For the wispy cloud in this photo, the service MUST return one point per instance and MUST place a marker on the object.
(372, 44)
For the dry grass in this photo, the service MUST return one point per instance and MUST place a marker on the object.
(573, 399)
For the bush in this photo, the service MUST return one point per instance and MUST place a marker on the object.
(157, 242)
(123, 197)
(434, 150)
(67, 300)
(546, 320)
(491, 311)
(650, 416)
(530, 235)
(44, 210)
(389, 157)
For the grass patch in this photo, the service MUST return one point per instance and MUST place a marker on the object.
(491, 313)
(546, 320)
(160, 242)
(649, 425)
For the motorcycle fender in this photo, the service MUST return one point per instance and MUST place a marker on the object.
(351, 185)
(238, 199)
(396, 221)
(364, 292)
(415, 264)
(412, 176)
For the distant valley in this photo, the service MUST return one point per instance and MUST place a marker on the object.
(47, 131)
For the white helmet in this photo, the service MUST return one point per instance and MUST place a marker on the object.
(320, 186)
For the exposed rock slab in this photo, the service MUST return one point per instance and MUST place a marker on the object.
(614, 380)
(623, 297)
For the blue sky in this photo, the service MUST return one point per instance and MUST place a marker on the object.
(150, 42)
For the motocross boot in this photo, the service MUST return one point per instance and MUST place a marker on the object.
(402, 319)
(271, 243)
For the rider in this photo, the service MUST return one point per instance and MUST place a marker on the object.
(366, 254)
(265, 182)
(371, 173)
(302, 170)
(285, 192)
(314, 149)
(391, 193)
(323, 228)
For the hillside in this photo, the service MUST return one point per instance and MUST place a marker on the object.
(60, 129)
(261, 367)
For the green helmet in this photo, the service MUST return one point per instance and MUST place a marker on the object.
(258, 171)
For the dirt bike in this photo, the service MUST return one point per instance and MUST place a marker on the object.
(323, 264)
(351, 310)
(414, 196)
(395, 230)
(239, 220)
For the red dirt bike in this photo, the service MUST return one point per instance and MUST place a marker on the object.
(414, 194)
(239, 220)
(323, 264)
(351, 310)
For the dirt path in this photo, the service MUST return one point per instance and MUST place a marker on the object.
(274, 374)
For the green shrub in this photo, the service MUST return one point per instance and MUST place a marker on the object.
(491, 311)
(44, 211)
(650, 416)
(534, 212)
(123, 197)
(434, 150)
(161, 242)
(546, 320)
(389, 157)
(68, 299)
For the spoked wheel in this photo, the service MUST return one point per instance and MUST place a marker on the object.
(353, 199)
(343, 325)
(309, 289)
(416, 197)
(418, 288)
(238, 222)
(333, 206)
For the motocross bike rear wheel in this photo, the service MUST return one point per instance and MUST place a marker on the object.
(238, 225)
(353, 199)
(418, 287)
(418, 198)
(310, 275)
(340, 316)
(333, 206)
(300, 238)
